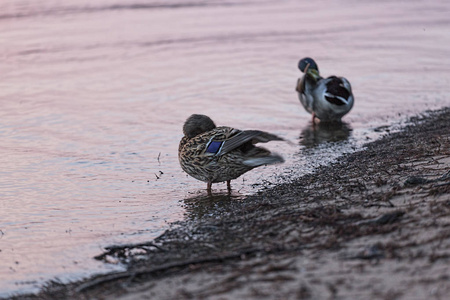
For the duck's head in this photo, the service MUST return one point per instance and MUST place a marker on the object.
(308, 66)
(197, 124)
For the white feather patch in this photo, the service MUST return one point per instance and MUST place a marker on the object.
(259, 161)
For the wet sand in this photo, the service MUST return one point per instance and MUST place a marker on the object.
(373, 225)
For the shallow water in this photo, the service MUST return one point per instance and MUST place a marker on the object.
(93, 98)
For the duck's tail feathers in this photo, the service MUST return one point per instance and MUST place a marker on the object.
(266, 160)
(264, 137)
(255, 136)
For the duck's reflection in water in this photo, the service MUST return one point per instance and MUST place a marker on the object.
(312, 136)
(213, 205)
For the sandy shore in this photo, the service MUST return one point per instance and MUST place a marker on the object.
(374, 225)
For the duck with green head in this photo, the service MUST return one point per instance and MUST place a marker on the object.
(327, 99)
(216, 154)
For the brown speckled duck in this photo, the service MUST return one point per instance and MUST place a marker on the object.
(216, 154)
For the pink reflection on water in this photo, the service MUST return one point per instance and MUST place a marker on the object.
(92, 95)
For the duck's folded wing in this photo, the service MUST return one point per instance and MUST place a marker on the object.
(255, 136)
(338, 90)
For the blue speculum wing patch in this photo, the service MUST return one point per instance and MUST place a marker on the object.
(214, 147)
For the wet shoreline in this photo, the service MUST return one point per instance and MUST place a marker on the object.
(372, 224)
(94, 96)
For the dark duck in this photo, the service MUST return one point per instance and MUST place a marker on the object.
(217, 154)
